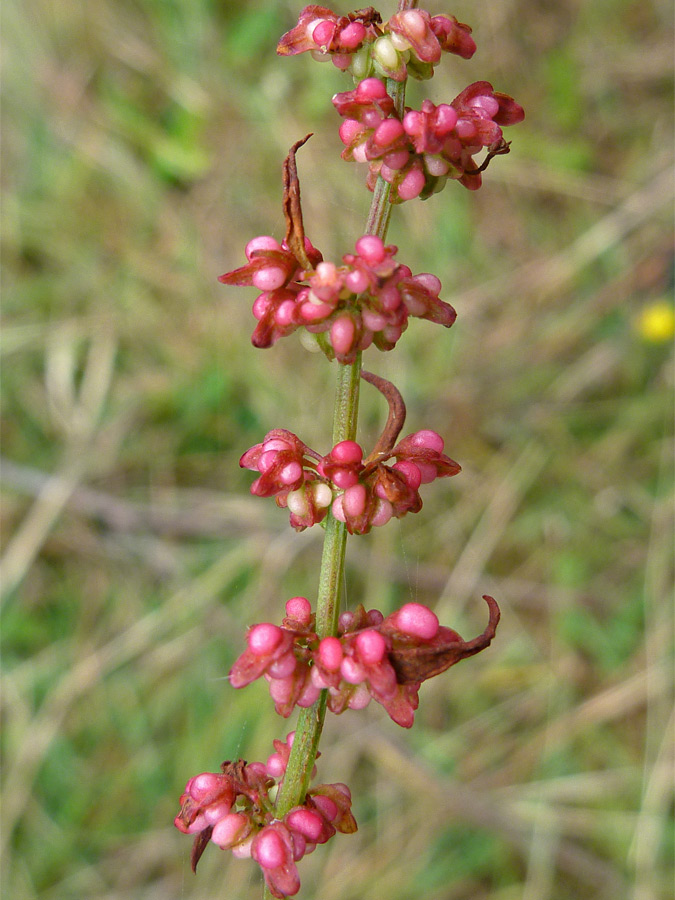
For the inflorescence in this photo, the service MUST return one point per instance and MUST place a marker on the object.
(365, 300)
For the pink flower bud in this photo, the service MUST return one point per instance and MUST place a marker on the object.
(392, 333)
(354, 500)
(352, 671)
(357, 282)
(281, 691)
(445, 118)
(359, 153)
(310, 694)
(453, 36)
(283, 667)
(269, 278)
(264, 242)
(371, 89)
(300, 846)
(306, 821)
(261, 305)
(436, 166)
(290, 473)
(215, 812)
(343, 789)
(275, 443)
(342, 335)
(345, 621)
(267, 460)
(344, 478)
(285, 313)
(371, 249)
(371, 647)
(322, 32)
(412, 184)
(352, 35)
(428, 472)
(257, 769)
(311, 311)
(270, 850)
(337, 509)
(327, 807)
(414, 22)
(348, 130)
(342, 61)
(299, 608)
(330, 653)
(275, 766)
(264, 639)
(230, 830)
(429, 282)
(383, 513)
(386, 133)
(416, 620)
(360, 698)
(347, 452)
(410, 472)
(389, 298)
(207, 799)
(397, 160)
(466, 129)
(319, 679)
(372, 320)
(486, 105)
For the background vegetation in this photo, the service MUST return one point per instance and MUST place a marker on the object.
(142, 144)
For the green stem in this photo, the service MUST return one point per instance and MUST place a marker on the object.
(310, 720)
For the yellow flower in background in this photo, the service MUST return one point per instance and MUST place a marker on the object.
(656, 322)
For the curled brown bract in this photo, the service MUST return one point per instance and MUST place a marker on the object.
(395, 421)
(415, 664)
(295, 231)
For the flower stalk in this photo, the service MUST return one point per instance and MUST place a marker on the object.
(331, 575)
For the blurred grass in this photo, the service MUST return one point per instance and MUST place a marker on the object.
(142, 144)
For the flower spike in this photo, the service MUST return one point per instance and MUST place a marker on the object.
(266, 811)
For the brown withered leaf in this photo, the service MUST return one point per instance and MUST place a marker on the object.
(199, 846)
(415, 664)
(295, 231)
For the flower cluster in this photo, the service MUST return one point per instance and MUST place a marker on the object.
(365, 301)
(361, 493)
(288, 471)
(372, 657)
(409, 44)
(233, 809)
(418, 153)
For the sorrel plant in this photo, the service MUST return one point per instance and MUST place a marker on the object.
(326, 660)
